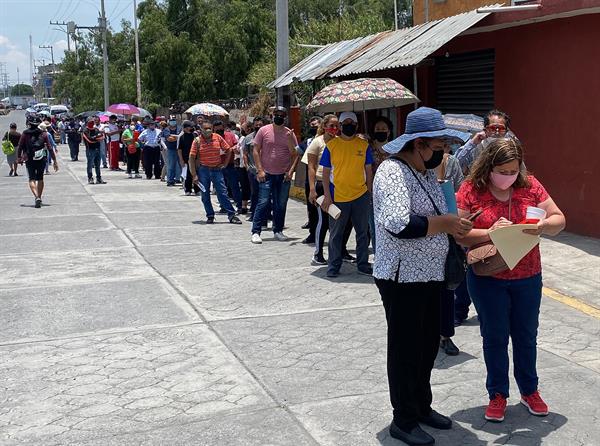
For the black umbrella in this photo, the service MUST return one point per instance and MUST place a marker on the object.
(87, 114)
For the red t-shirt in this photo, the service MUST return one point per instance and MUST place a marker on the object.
(470, 199)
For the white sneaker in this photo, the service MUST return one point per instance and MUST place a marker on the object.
(130, 175)
(280, 236)
(256, 239)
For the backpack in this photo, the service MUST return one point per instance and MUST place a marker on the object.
(37, 146)
(7, 146)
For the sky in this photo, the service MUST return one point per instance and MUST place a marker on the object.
(20, 18)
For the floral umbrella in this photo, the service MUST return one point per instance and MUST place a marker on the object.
(124, 109)
(207, 109)
(362, 94)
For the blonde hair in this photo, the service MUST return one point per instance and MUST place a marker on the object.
(500, 151)
(324, 122)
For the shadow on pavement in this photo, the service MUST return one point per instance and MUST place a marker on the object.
(443, 361)
(587, 244)
(519, 428)
(348, 274)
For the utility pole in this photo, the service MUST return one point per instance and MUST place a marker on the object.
(138, 80)
(102, 24)
(66, 32)
(283, 48)
(396, 15)
(31, 68)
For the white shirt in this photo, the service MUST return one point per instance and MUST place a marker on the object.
(111, 128)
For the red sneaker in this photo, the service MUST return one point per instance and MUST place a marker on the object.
(496, 408)
(535, 404)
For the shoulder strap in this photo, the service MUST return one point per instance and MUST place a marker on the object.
(437, 211)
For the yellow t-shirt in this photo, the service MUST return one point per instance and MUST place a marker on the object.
(347, 160)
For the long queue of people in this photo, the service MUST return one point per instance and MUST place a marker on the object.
(388, 190)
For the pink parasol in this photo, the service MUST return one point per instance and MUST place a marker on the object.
(124, 109)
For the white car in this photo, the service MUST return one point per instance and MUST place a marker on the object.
(19, 107)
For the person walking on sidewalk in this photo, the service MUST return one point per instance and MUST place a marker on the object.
(276, 158)
(13, 136)
(73, 130)
(150, 138)
(347, 181)
(229, 172)
(170, 136)
(314, 124)
(206, 167)
(184, 145)
(33, 149)
(129, 138)
(92, 137)
(508, 303)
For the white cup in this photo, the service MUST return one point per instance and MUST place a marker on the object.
(333, 210)
(534, 213)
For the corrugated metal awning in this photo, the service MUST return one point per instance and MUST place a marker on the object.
(383, 51)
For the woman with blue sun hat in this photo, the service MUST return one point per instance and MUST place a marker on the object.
(411, 225)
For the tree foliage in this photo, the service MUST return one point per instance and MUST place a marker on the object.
(21, 90)
(197, 50)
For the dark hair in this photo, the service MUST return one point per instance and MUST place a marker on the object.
(112, 117)
(217, 123)
(13, 125)
(257, 119)
(499, 113)
(500, 151)
(387, 122)
(315, 118)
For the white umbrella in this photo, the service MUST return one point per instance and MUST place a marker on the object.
(207, 109)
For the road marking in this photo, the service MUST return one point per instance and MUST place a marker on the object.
(572, 302)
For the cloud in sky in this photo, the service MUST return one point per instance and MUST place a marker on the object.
(10, 53)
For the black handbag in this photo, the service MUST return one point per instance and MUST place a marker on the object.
(456, 260)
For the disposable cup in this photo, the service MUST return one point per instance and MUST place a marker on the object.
(534, 213)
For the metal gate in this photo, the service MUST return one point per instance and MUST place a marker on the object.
(465, 82)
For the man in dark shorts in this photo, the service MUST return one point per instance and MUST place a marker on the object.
(34, 148)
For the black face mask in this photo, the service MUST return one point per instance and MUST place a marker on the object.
(278, 120)
(256, 129)
(381, 136)
(435, 160)
(312, 131)
(220, 132)
(349, 129)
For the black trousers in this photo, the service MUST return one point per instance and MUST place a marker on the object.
(188, 184)
(73, 148)
(151, 160)
(412, 311)
(244, 182)
(133, 162)
(311, 209)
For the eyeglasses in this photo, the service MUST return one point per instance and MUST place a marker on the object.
(496, 128)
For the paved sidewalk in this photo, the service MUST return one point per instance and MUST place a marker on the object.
(128, 321)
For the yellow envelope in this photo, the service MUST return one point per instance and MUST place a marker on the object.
(513, 244)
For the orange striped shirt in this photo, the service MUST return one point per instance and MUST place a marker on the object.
(208, 152)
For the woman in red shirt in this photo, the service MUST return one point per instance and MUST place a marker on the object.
(508, 303)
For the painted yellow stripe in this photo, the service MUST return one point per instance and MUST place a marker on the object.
(572, 302)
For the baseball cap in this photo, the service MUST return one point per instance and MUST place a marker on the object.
(348, 115)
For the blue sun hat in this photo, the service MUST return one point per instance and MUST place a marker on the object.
(424, 122)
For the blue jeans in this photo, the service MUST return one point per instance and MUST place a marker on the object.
(173, 166)
(508, 308)
(233, 182)
(206, 175)
(273, 186)
(93, 162)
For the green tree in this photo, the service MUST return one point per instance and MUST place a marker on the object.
(21, 90)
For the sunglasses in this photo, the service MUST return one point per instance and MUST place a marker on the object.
(497, 128)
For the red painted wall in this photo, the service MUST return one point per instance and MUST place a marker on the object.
(548, 79)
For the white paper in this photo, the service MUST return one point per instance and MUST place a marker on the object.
(513, 244)
(184, 172)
